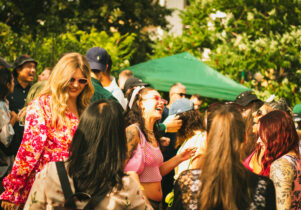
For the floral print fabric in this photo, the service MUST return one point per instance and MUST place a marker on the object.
(188, 185)
(41, 144)
(47, 193)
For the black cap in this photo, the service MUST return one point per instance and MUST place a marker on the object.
(133, 82)
(23, 59)
(98, 58)
(5, 64)
(245, 98)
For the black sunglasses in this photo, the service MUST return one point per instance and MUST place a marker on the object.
(181, 94)
(81, 81)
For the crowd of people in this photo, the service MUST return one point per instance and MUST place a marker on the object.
(79, 138)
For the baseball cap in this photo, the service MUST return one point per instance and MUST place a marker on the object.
(180, 106)
(5, 63)
(98, 58)
(23, 59)
(244, 98)
(133, 82)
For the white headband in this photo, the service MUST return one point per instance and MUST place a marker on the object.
(135, 92)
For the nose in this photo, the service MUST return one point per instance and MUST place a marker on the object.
(75, 83)
(255, 118)
(33, 69)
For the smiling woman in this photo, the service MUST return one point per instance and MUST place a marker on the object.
(50, 123)
(146, 110)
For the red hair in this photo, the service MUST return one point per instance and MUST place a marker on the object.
(278, 133)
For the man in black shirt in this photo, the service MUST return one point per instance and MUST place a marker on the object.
(24, 72)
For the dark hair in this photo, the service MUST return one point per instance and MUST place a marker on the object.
(192, 120)
(134, 115)
(250, 143)
(110, 63)
(5, 78)
(224, 179)
(15, 72)
(98, 150)
(278, 132)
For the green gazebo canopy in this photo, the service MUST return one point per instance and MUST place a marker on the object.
(195, 75)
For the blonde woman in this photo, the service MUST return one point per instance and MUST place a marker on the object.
(50, 123)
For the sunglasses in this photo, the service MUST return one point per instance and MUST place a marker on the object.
(181, 94)
(80, 81)
(158, 98)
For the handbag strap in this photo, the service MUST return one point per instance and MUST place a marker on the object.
(60, 166)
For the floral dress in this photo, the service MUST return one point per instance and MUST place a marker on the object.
(41, 144)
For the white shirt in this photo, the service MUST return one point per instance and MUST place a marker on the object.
(199, 141)
(117, 93)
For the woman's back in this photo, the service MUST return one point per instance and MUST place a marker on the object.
(187, 191)
(47, 192)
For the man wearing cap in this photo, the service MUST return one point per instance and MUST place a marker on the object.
(24, 73)
(131, 83)
(98, 59)
(247, 100)
(109, 83)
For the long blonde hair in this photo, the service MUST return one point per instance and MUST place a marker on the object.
(223, 177)
(57, 87)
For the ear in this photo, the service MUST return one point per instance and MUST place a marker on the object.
(140, 105)
(18, 69)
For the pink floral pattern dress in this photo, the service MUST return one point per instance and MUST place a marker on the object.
(41, 144)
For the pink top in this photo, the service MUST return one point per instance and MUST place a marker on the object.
(41, 144)
(247, 161)
(153, 161)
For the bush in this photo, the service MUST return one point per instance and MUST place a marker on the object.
(47, 50)
(255, 42)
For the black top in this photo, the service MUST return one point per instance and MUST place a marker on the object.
(16, 103)
(18, 97)
(168, 152)
(187, 191)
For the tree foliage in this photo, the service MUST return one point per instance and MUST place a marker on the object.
(47, 50)
(256, 42)
(41, 18)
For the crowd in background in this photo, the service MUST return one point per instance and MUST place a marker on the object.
(79, 138)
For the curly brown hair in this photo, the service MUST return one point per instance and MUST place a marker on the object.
(192, 120)
(134, 115)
